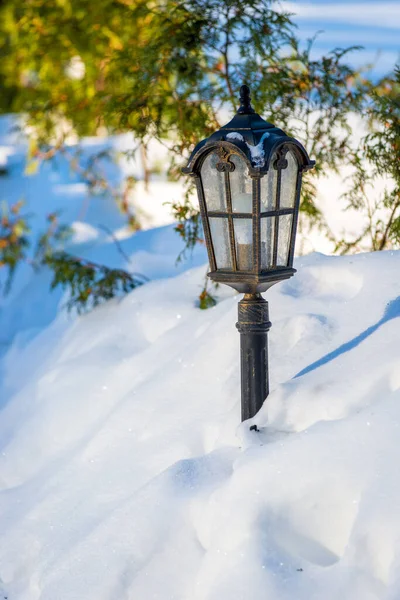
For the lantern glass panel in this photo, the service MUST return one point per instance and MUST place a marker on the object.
(285, 230)
(268, 187)
(241, 186)
(267, 241)
(213, 184)
(244, 243)
(289, 181)
(221, 242)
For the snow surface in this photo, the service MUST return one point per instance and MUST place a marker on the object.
(124, 474)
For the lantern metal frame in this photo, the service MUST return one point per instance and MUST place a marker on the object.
(252, 130)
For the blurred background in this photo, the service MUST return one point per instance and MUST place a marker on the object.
(103, 101)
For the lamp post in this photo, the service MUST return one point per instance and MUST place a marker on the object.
(248, 178)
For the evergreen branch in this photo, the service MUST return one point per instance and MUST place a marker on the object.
(88, 283)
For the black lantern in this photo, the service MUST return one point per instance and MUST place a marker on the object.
(248, 177)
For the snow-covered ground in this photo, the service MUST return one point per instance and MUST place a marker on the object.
(124, 474)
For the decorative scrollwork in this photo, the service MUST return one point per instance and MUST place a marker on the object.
(223, 153)
(281, 162)
(224, 164)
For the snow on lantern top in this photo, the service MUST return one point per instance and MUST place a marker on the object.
(256, 139)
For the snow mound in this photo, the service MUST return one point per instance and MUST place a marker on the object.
(125, 476)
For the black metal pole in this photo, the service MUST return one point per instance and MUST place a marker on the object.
(253, 326)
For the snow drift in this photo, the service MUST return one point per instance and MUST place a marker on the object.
(124, 473)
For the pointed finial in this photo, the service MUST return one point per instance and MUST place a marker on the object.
(245, 107)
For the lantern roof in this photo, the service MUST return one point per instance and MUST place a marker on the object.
(256, 138)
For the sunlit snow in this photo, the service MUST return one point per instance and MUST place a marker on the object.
(124, 472)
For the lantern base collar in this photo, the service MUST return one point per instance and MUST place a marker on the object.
(251, 283)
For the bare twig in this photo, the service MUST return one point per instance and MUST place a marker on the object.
(116, 241)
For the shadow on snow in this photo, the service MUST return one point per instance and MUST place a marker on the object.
(392, 311)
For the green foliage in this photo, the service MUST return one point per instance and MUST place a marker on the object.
(45, 48)
(14, 240)
(188, 225)
(51, 239)
(377, 159)
(89, 284)
(166, 70)
(206, 300)
(169, 71)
